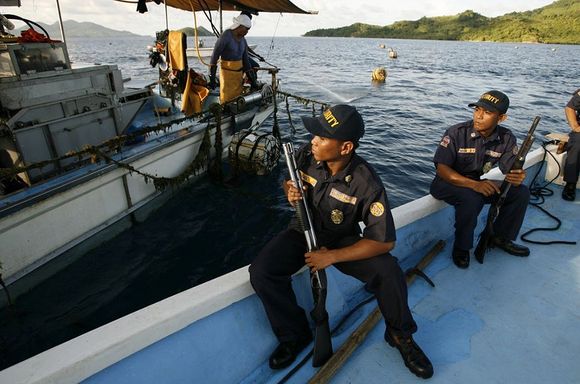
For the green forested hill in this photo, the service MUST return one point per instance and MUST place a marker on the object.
(558, 22)
(201, 31)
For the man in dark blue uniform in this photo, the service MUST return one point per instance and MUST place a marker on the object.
(342, 190)
(467, 151)
(572, 165)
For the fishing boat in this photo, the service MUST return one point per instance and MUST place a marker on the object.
(82, 149)
(509, 319)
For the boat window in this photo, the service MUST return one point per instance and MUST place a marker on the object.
(6, 68)
(41, 58)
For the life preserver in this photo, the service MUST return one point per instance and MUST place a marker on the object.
(31, 36)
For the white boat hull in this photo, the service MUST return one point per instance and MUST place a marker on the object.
(70, 214)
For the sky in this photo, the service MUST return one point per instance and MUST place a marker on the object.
(331, 14)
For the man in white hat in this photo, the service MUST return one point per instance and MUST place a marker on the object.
(232, 48)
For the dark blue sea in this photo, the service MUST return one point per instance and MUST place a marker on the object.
(207, 229)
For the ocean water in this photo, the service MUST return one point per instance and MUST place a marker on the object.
(207, 229)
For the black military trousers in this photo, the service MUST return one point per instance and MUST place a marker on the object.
(468, 204)
(271, 272)
(572, 165)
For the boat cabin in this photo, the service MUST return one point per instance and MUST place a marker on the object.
(49, 109)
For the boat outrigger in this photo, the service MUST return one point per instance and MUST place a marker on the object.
(82, 149)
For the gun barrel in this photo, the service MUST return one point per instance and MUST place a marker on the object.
(302, 208)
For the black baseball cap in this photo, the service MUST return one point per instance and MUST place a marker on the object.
(494, 101)
(341, 122)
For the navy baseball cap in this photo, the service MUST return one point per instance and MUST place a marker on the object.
(341, 122)
(494, 101)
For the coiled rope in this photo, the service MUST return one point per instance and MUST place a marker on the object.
(538, 193)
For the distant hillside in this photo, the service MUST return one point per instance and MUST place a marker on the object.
(81, 29)
(201, 31)
(558, 23)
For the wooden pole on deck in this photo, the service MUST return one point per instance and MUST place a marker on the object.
(328, 370)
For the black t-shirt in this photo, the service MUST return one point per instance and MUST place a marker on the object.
(338, 203)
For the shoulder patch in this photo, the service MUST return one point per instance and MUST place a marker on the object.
(340, 196)
(445, 141)
(377, 209)
(309, 179)
(515, 150)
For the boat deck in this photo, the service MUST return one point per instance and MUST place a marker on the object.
(510, 320)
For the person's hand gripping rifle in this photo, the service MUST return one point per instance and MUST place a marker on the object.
(484, 238)
(322, 339)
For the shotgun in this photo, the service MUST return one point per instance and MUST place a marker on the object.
(322, 350)
(485, 236)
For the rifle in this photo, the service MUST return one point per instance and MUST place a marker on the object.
(485, 236)
(322, 340)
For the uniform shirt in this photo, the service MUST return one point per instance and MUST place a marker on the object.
(574, 103)
(230, 49)
(338, 203)
(463, 149)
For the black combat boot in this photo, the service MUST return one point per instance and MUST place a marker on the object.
(569, 192)
(414, 358)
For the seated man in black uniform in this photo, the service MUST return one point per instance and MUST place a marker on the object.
(467, 151)
(572, 165)
(342, 190)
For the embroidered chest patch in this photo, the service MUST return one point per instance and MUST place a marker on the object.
(466, 150)
(309, 179)
(491, 153)
(342, 196)
(336, 216)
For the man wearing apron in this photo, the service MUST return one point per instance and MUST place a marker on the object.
(232, 48)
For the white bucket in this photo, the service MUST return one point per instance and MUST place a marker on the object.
(555, 165)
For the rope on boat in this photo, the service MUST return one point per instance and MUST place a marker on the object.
(304, 100)
(101, 152)
(216, 169)
(199, 57)
(292, 127)
(106, 150)
(113, 144)
(538, 192)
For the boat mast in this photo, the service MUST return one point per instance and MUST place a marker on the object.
(166, 18)
(60, 23)
(221, 18)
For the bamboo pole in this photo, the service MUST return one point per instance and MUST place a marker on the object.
(328, 370)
